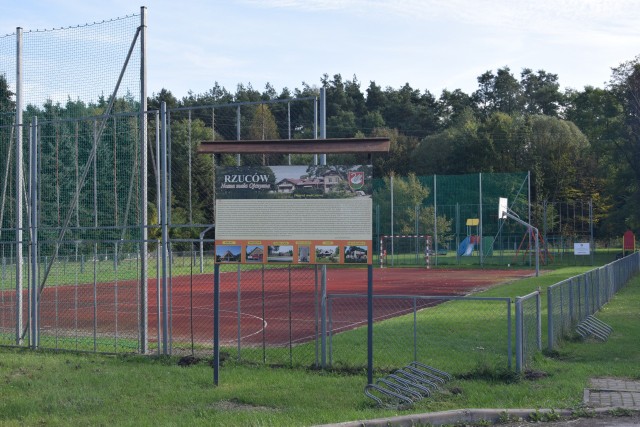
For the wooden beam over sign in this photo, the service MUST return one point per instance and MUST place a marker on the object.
(296, 146)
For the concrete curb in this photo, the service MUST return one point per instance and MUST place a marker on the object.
(457, 416)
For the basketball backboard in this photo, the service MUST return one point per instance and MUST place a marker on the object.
(503, 206)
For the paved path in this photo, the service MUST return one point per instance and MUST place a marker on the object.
(613, 393)
(603, 395)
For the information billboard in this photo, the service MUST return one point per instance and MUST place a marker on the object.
(294, 214)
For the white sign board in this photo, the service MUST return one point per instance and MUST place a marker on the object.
(581, 249)
(314, 214)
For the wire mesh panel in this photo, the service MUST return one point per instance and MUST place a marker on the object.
(92, 299)
(528, 322)
(268, 314)
(83, 204)
(459, 212)
(437, 330)
(564, 223)
(71, 72)
(8, 294)
(94, 202)
(190, 299)
(8, 46)
(191, 176)
(8, 130)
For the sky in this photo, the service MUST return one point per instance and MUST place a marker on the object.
(430, 44)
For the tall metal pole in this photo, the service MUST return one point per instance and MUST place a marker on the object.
(95, 243)
(323, 271)
(158, 204)
(144, 219)
(323, 121)
(480, 220)
(163, 226)
(529, 212)
(18, 189)
(190, 168)
(289, 127)
(591, 241)
(315, 126)
(435, 217)
(323, 318)
(544, 229)
(33, 193)
(238, 134)
(392, 245)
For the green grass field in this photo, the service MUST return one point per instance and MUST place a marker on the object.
(48, 388)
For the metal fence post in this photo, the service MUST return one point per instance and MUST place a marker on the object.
(239, 310)
(164, 228)
(415, 329)
(316, 308)
(519, 337)
(538, 320)
(369, 324)
(216, 323)
(392, 245)
(330, 310)
(587, 310)
(509, 333)
(33, 193)
(290, 321)
(264, 330)
(571, 303)
(323, 315)
(550, 325)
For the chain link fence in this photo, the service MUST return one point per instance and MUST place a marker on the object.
(71, 128)
(458, 213)
(571, 301)
(441, 331)
(271, 315)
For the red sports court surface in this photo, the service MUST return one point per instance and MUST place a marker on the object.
(274, 306)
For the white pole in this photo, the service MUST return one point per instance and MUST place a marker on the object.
(144, 219)
(18, 189)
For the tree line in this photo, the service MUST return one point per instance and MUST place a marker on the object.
(578, 144)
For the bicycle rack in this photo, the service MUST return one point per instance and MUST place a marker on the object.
(595, 327)
(407, 385)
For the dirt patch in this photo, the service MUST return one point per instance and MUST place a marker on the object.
(238, 406)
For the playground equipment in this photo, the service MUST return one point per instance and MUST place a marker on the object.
(525, 246)
(468, 244)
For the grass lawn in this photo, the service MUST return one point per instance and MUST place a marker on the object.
(48, 388)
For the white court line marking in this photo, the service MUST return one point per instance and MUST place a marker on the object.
(264, 324)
